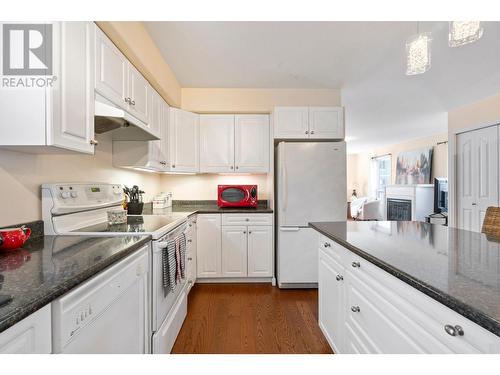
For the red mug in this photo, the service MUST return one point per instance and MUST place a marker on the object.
(13, 238)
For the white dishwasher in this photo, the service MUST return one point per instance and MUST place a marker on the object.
(108, 313)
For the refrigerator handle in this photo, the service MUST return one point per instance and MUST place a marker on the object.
(283, 175)
(289, 229)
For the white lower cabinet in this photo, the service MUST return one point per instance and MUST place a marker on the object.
(363, 309)
(208, 248)
(240, 250)
(260, 251)
(32, 335)
(234, 251)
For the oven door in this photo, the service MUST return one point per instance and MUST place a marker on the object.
(162, 302)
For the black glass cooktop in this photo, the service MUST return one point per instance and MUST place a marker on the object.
(135, 224)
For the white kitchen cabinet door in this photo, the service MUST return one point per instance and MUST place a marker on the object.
(32, 335)
(73, 98)
(164, 135)
(326, 122)
(477, 176)
(155, 122)
(184, 141)
(208, 246)
(234, 251)
(216, 143)
(139, 94)
(260, 251)
(291, 122)
(251, 143)
(111, 77)
(331, 300)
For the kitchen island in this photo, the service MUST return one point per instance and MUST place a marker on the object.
(408, 287)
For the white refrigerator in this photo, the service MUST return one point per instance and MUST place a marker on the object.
(311, 186)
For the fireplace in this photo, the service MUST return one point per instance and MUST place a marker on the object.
(398, 209)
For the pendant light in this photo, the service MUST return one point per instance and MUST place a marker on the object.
(418, 53)
(464, 32)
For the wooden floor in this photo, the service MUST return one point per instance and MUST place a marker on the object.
(250, 319)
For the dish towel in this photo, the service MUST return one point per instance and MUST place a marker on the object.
(180, 256)
(169, 264)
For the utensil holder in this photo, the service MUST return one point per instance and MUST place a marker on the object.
(135, 208)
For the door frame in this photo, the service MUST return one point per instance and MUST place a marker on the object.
(452, 165)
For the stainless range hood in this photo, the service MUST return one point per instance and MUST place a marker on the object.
(124, 126)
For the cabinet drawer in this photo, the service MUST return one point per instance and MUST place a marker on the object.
(423, 312)
(247, 219)
(333, 249)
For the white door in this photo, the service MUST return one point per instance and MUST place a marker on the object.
(311, 182)
(164, 131)
(331, 300)
(208, 246)
(291, 122)
(155, 121)
(217, 143)
(111, 77)
(184, 140)
(477, 176)
(251, 143)
(326, 122)
(139, 94)
(260, 251)
(234, 251)
(297, 256)
(73, 97)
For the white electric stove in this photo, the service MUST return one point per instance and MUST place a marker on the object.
(81, 209)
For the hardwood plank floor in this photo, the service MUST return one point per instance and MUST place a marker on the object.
(251, 319)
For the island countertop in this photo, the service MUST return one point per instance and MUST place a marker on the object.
(46, 267)
(458, 268)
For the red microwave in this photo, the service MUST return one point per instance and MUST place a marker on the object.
(237, 195)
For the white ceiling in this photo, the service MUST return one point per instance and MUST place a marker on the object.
(364, 59)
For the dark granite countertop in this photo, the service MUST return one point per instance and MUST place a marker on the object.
(206, 207)
(48, 266)
(458, 268)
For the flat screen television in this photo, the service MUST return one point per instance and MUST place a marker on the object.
(440, 195)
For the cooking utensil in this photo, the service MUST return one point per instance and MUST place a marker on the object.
(13, 238)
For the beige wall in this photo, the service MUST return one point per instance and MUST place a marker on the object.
(186, 187)
(21, 175)
(358, 165)
(483, 112)
(227, 100)
(134, 41)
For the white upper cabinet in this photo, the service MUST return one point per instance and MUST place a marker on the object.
(184, 141)
(251, 143)
(308, 122)
(61, 115)
(234, 143)
(216, 143)
(326, 122)
(139, 94)
(291, 122)
(111, 78)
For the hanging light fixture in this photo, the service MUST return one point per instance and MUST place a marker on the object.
(464, 32)
(418, 53)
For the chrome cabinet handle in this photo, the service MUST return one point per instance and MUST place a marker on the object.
(312, 131)
(189, 241)
(339, 277)
(127, 100)
(474, 204)
(326, 244)
(247, 219)
(355, 264)
(237, 167)
(355, 309)
(163, 162)
(307, 132)
(190, 258)
(132, 102)
(94, 142)
(244, 232)
(232, 167)
(173, 166)
(454, 331)
(249, 232)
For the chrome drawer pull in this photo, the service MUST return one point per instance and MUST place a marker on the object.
(339, 277)
(326, 244)
(355, 309)
(454, 331)
(355, 264)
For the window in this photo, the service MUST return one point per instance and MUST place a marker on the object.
(381, 175)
